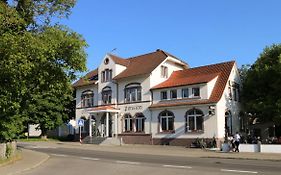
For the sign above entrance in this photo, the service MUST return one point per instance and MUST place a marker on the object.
(132, 108)
(80, 122)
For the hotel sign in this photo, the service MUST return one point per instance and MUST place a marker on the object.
(132, 108)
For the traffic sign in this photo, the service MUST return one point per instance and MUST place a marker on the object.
(80, 122)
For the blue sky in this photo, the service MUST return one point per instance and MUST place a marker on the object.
(198, 31)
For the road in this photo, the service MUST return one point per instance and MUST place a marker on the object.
(73, 160)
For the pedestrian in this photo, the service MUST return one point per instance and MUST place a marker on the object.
(237, 139)
(231, 140)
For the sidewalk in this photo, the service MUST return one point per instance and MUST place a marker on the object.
(165, 150)
(30, 159)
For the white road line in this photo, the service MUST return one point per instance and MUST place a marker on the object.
(177, 166)
(127, 162)
(59, 155)
(89, 158)
(239, 171)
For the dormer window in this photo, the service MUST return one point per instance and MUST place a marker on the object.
(106, 75)
(173, 94)
(164, 72)
(196, 92)
(185, 93)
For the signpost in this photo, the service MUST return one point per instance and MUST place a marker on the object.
(80, 123)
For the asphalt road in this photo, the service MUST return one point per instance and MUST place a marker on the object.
(72, 161)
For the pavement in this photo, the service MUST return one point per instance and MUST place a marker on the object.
(32, 159)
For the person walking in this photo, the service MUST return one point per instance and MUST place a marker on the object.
(237, 139)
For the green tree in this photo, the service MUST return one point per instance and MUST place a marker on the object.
(38, 63)
(261, 86)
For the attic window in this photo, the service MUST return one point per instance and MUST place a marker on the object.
(106, 61)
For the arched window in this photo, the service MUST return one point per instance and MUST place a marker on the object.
(106, 95)
(128, 123)
(139, 122)
(132, 92)
(166, 121)
(87, 99)
(194, 120)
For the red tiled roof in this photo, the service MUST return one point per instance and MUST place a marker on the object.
(86, 80)
(198, 75)
(102, 108)
(142, 64)
(175, 80)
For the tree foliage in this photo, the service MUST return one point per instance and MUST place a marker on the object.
(37, 65)
(261, 87)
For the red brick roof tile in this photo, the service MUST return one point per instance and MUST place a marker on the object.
(87, 79)
(198, 75)
(142, 64)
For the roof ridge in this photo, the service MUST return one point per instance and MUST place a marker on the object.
(209, 65)
(158, 50)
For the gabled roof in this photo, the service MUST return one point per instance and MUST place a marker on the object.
(87, 79)
(119, 60)
(176, 80)
(142, 64)
(196, 76)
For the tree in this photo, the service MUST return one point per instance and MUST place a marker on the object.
(38, 63)
(261, 87)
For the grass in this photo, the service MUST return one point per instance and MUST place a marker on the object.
(36, 139)
(12, 159)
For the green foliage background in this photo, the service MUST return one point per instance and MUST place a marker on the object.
(38, 62)
(262, 84)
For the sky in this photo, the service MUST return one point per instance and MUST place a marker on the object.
(200, 32)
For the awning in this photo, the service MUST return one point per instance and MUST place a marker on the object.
(102, 109)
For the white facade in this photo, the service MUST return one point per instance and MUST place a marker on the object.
(134, 109)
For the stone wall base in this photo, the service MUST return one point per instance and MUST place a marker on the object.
(136, 138)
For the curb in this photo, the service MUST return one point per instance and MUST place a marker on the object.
(34, 166)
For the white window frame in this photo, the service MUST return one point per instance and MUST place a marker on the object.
(183, 93)
(194, 116)
(171, 91)
(141, 122)
(164, 71)
(128, 119)
(193, 92)
(161, 95)
(166, 117)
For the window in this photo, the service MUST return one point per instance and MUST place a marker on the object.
(166, 121)
(132, 93)
(106, 95)
(164, 72)
(173, 94)
(236, 92)
(194, 120)
(164, 95)
(196, 92)
(87, 99)
(185, 93)
(128, 123)
(139, 122)
(106, 75)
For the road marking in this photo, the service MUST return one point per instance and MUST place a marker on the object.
(239, 171)
(127, 162)
(59, 155)
(177, 166)
(38, 147)
(89, 158)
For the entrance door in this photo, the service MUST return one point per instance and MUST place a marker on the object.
(103, 125)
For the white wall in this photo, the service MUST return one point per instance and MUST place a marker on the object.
(226, 104)
(155, 77)
(179, 123)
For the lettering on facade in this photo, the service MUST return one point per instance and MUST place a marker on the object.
(133, 108)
